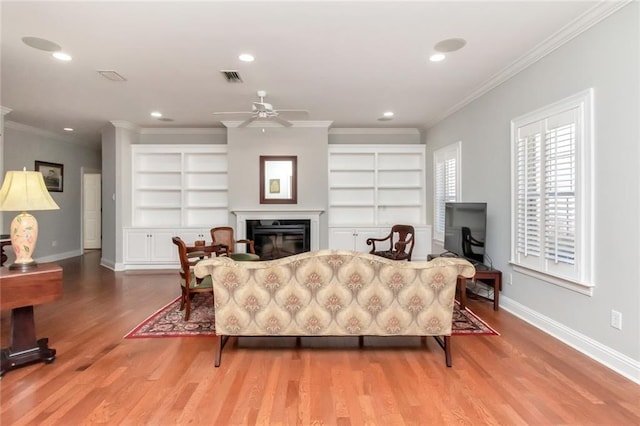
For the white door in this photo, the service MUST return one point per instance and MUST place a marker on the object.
(92, 226)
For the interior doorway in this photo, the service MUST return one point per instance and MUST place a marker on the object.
(91, 211)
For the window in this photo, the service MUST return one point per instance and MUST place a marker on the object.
(551, 199)
(446, 181)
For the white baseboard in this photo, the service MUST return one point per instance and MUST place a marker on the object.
(59, 256)
(618, 362)
(108, 264)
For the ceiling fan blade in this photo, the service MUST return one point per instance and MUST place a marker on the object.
(246, 122)
(284, 122)
(231, 112)
(304, 111)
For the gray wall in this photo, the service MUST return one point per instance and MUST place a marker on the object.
(24, 145)
(309, 144)
(606, 58)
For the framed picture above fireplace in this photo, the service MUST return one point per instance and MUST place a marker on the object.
(278, 179)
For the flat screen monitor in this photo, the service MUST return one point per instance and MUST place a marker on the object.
(465, 230)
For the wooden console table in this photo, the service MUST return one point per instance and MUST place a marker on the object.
(483, 273)
(20, 291)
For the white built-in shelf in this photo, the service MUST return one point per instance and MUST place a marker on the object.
(179, 186)
(376, 184)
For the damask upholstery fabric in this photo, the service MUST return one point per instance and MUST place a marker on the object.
(333, 293)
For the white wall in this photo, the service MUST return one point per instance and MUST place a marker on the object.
(606, 58)
(23, 145)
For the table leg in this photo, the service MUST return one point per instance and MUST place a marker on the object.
(24, 348)
(497, 286)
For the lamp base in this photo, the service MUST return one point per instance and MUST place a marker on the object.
(23, 267)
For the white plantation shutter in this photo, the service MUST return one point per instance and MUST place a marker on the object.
(529, 198)
(560, 182)
(551, 190)
(446, 183)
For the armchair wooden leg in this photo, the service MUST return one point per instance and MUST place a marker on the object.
(188, 308)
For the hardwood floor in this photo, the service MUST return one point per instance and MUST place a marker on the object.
(520, 377)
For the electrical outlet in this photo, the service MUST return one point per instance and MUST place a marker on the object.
(54, 243)
(616, 319)
(510, 278)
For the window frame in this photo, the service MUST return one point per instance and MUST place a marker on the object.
(440, 156)
(579, 276)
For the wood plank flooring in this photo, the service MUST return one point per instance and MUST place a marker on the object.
(521, 377)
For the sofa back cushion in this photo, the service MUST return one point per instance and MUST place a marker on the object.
(334, 293)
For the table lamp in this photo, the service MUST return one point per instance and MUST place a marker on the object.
(22, 191)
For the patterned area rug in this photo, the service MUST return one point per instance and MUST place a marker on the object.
(169, 321)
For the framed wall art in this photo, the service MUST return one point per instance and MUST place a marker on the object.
(53, 174)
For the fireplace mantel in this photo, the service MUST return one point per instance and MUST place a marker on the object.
(260, 214)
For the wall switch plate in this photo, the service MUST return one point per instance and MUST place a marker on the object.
(616, 319)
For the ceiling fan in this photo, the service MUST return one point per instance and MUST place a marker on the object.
(263, 111)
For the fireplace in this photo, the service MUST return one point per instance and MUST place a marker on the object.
(278, 238)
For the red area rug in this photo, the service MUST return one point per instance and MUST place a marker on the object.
(169, 321)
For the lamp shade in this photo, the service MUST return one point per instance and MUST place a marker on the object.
(25, 190)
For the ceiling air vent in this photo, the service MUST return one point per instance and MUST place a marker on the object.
(111, 75)
(231, 76)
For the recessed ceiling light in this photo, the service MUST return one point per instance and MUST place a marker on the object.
(68, 129)
(388, 114)
(437, 57)
(246, 57)
(62, 56)
(156, 114)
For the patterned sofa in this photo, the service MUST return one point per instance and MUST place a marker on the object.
(334, 293)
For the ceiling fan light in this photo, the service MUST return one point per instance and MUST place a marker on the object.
(388, 114)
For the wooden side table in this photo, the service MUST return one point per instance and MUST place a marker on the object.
(20, 291)
(483, 274)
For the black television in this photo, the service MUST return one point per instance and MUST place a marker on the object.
(465, 230)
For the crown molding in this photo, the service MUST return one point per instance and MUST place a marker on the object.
(122, 124)
(269, 124)
(574, 28)
(374, 131)
(40, 132)
(183, 131)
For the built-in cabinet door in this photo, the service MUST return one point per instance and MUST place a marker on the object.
(342, 238)
(136, 246)
(162, 248)
(190, 236)
(363, 233)
(353, 238)
(422, 247)
(345, 238)
(150, 246)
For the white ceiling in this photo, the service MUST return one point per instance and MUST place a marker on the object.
(347, 62)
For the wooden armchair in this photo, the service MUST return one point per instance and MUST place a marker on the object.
(223, 235)
(401, 249)
(189, 284)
